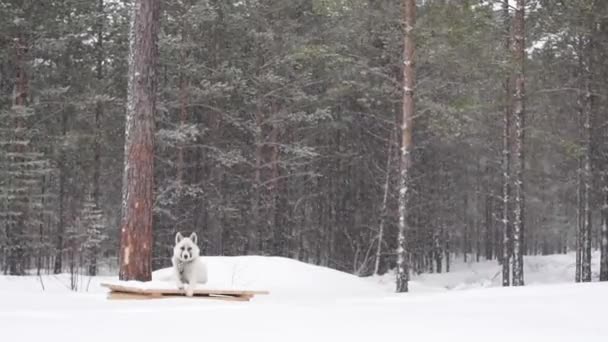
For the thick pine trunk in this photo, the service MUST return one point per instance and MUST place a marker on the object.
(409, 84)
(138, 178)
(519, 163)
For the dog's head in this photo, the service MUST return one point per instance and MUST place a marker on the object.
(185, 247)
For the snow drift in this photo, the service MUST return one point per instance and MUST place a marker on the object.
(311, 303)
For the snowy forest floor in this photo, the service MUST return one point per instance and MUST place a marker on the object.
(308, 303)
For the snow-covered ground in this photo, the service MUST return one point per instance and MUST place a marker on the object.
(310, 303)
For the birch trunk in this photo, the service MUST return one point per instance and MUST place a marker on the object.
(580, 193)
(519, 162)
(409, 84)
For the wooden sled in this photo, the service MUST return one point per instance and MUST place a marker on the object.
(132, 292)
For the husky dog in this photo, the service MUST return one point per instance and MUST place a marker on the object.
(188, 267)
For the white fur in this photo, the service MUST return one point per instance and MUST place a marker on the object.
(193, 269)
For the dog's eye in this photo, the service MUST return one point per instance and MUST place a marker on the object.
(189, 249)
(182, 248)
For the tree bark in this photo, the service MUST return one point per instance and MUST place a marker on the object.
(519, 162)
(407, 145)
(138, 178)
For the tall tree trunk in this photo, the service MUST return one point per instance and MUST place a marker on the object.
(138, 178)
(506, 158)
(59, 237)
(580, 193)
(519, 162)
(15, 227)
(183, 112)
(407, 145)
(601, 31)
(587, 172)
(275, 191)
(98, 104)
(255, 232)
(98, 129)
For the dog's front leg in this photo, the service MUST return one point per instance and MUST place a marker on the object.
(191, 286)
(178, 280)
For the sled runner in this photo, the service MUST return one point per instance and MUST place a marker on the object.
(120, 291)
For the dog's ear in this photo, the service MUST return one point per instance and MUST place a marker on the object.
(193, 237)
(178, 237)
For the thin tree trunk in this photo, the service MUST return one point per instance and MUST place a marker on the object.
(59, 239)
(98, 129)
(506, 158)
(15, 228)
(256, 225)
(138, 178)
(183, 113)
(519, 162)
(580, 193)
(98, 105)
(604, 230)
(587, 177)
(275, 191)
(387, 181)
(600, 30)
(409, 84)
(477, 219)
(466, 238)
(489, 209)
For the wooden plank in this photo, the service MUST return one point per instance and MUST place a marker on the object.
(114, 295)
(119, 291)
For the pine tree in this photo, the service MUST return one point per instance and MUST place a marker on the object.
(138, 178)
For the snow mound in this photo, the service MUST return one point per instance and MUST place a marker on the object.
(275, 274)
(538, 270)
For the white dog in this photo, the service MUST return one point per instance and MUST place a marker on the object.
(188, 267)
